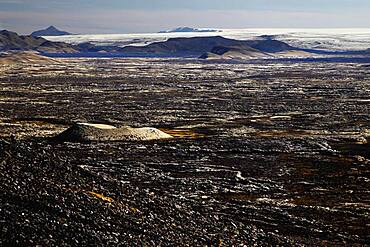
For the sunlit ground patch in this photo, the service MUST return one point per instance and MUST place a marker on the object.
(101, 196)
(185, 134)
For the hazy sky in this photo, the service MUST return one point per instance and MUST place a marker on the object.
(121, 16)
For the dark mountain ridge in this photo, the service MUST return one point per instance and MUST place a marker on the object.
(12, 41)
(194, 47)
(199, 45)
(174, 47)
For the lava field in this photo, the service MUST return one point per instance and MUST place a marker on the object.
(263, 154)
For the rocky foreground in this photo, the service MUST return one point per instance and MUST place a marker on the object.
(262, 154)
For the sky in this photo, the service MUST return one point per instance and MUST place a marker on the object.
(140, 16)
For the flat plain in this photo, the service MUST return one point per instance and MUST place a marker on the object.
(264, 153)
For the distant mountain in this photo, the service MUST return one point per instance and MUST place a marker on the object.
(12, 41)
(180, 47)
(197, 46)
(189, 30)
(50, 31)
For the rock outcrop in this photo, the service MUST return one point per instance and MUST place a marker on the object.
(85, 132)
